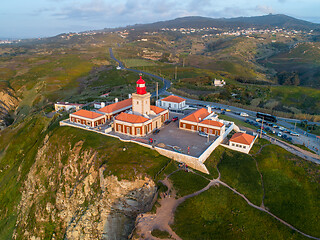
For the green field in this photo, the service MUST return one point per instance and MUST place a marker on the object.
(291, 188)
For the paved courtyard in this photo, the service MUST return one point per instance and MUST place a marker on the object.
(170, 135)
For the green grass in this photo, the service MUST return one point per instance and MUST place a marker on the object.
(239, 171)
(220, 214)
(237, 121)
(186, 183)
(160, 234)
(292, 190)
(131, 63)
(213, 160)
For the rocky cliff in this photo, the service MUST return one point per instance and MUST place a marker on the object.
(8, 102)
(67, 194)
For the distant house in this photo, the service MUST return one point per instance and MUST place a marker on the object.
(106, 94)
(203, 120)
(66, 106)
(172, 103)
(241, 142)
(219, 83)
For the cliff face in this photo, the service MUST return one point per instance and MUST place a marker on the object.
(68, 194)
(7, 103)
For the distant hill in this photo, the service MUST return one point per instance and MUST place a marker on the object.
(271, 21)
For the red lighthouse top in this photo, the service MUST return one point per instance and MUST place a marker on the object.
(141, 86)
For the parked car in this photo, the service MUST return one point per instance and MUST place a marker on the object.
(279, 134)
(202, 134)
(295, 134)
(156, 131)
(175, 118)
(289, 139)
(281, 128)
(228, 110)
(243, 114)
(167, 122)
(284, 136)
(223, 112)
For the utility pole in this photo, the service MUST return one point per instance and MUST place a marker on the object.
(261, 128)
(157, 91)
(295, 125)
(183, 62)
(175, 73)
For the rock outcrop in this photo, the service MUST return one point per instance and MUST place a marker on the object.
(67, 195)
(7, 103)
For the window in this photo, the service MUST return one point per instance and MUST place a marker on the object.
(88, 123)
(184, 126)
(237, 145)
(232, 144)
(210, 131)
(138, 130)
(128, 130)
(119, 128)
(199, 128)
(244, 147)
(205, 129)
(192, 127)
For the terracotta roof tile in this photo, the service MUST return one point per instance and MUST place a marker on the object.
(197, 116)
(117, 106)
(172, 98)
(242, 138)
(131, 118)
(87, 114)
(156, 109)
(212, 123)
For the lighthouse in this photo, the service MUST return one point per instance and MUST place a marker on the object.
(141, 99)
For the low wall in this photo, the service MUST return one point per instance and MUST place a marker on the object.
(203, 157)
(180, 157)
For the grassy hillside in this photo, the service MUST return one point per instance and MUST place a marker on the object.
(289, 188)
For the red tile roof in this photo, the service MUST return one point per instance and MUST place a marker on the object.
(87, 114)
(156, 109)
(242, 138)
(172, 98)
(197, 116)
(117, 106)
(212, 123)
(131, 118)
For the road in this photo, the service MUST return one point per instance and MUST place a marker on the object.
(307, 139)
(166, 82)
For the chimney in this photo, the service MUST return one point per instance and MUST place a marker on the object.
(102, 104)
(209, 109)
(129, 95)
(199, 119)
(116, 100)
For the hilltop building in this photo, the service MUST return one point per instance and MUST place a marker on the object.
(241, 142)
(67, 106)
(143, 118)
(88, 118)
(172, 103)
(133, 116)
(203, 120)
(219, 83)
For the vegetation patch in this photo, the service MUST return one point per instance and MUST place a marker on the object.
(186, 182)
(160, 234)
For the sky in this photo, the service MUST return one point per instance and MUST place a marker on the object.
(44, 18)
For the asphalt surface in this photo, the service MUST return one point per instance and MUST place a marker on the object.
(307, 139)
(166, 82)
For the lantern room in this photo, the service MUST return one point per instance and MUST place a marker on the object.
(141, 86)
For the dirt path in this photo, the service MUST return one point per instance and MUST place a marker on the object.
(164, 216)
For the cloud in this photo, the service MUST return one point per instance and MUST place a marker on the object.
(264, 9)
